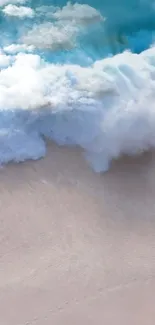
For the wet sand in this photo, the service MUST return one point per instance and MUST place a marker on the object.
(77, 247)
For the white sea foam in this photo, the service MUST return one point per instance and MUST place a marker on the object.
(80, 13)
(5, 2)
(16, 48)
(51, 36)
(107, 109)
(18, 11)
(63, 31)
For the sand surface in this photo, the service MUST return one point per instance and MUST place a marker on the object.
(77, 248)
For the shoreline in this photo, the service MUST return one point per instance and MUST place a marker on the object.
(77, 247)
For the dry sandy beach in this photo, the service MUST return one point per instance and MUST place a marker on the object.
(77, 247)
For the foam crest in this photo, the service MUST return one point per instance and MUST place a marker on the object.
(107, 108)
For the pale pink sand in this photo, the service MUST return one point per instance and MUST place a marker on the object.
(77, 248)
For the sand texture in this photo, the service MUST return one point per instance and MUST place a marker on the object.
(77, 248)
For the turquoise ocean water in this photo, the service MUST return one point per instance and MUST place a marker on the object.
(79, 73)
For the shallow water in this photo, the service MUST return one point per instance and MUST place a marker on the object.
(77, 73)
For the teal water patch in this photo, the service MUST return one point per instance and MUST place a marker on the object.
(83, 32)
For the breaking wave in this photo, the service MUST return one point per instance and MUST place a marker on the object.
(79, 74)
